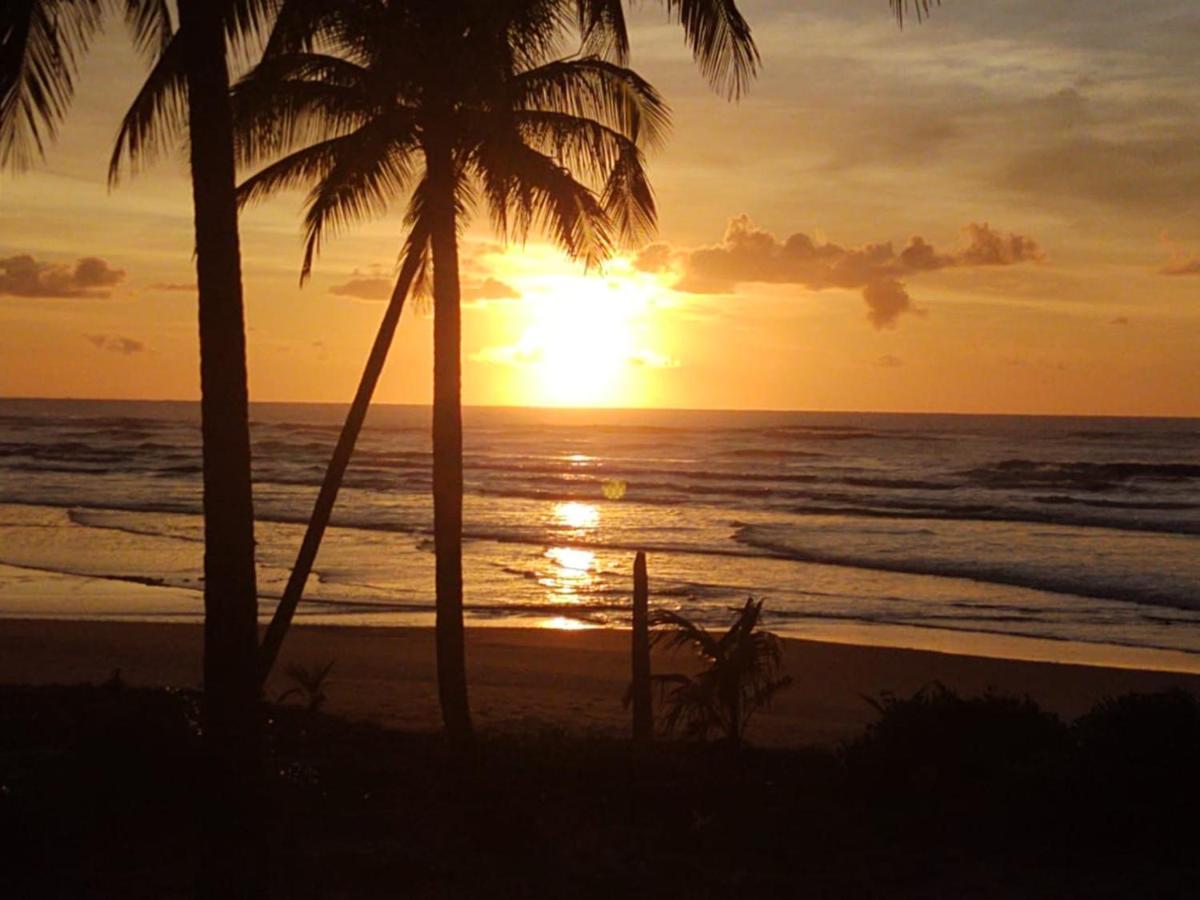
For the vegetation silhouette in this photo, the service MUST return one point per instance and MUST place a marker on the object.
(483, 108)
(721, 42)
(740, 674)
(308, 683)
(186, 93)
(97, 802)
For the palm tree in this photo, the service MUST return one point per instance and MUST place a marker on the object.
(479, 108)
(741, 674)
(721, 42)
(41, 42)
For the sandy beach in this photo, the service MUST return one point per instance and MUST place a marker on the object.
(527, 679)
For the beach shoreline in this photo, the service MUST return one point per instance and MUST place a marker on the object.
(525, 679)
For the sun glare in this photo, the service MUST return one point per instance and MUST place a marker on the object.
(585, 337)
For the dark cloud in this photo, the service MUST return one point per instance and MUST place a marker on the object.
(91, 277)
(749, 254)
(189, 286)
(1156, 173)
(115, 343)
(1119, 320)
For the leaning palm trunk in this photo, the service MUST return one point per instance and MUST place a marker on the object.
(336, 470)
(447, 443)
(230, 592)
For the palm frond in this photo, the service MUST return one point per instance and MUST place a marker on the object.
(593, 88)
(41, 42)
(149, 24)
(628, 199)
(921, 9)
(294, 99)
(157, 118)
(720, 41)
(602, 26)
(371, 168)
(527, 190)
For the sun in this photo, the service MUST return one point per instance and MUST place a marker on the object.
(585, 338)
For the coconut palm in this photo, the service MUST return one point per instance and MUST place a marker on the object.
(740, 674)
(721, 42)
(41, 43)
(480, 110)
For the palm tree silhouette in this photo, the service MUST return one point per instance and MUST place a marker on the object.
(479, 108)
(741, 674)
(41, 43)
(722, 45)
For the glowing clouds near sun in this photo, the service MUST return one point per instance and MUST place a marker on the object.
(748, 254)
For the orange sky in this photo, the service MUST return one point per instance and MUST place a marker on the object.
(1033, 167)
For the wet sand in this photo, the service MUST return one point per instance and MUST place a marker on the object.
(527, 679)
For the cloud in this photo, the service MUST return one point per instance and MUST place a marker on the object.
(374, 287)
(1152, 172)
(509, 356)
(364, 288)
(489, 289)
(115, 343)
(749, 254)
(1186, 265)
(651, 360)
(91, 277)
(887, 361)
(1119, 320)
(189, 286)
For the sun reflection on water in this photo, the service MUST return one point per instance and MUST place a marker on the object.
(564, 623)
(576, 515)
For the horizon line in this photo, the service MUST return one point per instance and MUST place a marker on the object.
(634, 409)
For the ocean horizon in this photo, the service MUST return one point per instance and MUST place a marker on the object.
(1053, 537)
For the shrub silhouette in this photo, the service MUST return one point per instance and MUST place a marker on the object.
(740, 677)
(1137, 757)
(308, 683)
(943, 753)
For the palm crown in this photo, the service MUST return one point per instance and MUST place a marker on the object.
(348, 108)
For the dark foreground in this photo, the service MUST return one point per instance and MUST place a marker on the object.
(101, 795)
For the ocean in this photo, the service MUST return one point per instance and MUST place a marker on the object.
(1036, 537)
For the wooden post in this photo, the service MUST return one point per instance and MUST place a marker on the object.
(643, 714)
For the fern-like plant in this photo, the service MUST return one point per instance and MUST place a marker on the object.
(741, 674)
(308, 682)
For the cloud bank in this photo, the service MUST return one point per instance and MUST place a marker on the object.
(374, 287)
(115, 343)
(750, 255)
(24, 276)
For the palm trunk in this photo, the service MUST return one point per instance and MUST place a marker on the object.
(447, 445)
(643, 715)
(230, 593)
(235, 864)
(336, 470)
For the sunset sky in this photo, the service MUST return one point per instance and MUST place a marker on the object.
(995, 211)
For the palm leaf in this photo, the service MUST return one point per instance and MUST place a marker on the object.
(41, 42)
